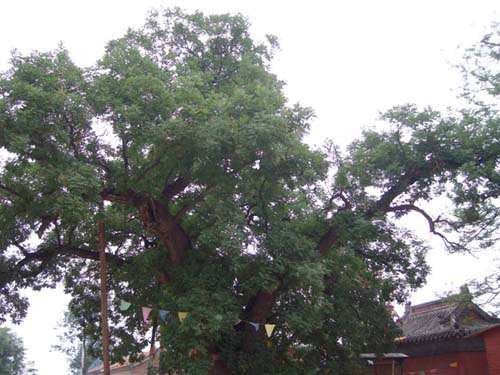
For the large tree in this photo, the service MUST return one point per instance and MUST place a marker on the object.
(215, 205)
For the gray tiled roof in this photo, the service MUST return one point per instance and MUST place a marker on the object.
(443, 319)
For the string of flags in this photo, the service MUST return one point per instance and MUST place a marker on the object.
(268, 327)
(164, 315)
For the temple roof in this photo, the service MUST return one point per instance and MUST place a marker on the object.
(446, 318)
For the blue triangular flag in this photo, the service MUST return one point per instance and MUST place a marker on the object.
(163, 314)
(255, 325)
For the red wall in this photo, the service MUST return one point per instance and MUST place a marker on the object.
(385, 367)
(492, 346)
(469, 363)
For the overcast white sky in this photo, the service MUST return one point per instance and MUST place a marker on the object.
(346, 59)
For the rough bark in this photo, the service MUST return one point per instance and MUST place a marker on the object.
(158, 220)
(258, 310)
(219, 366)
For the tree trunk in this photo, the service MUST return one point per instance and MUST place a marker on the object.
(104, 299)
(258, 311)
(218, 366)
(156, 218)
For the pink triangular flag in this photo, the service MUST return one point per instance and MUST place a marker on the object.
(145, 313)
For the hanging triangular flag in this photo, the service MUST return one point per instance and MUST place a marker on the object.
(124, 305)
(237, 322)
(163, 314)
(255, 325)
(145, 313)
(269, 329)
(182, 315)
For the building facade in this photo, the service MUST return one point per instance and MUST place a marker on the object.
(127, 368)
(450, 336)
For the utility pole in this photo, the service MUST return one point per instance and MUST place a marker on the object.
(104, 294)
(82, 357)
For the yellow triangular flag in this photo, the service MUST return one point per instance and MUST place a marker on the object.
(269, 329)
(182, 315)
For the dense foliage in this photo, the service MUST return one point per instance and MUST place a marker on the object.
(215, 205)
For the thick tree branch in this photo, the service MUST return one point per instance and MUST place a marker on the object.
(258, 310)
(129, 197)
(49, 253)
(157, 219)
(397, 189)
(340, 195)
(328, 239)
(174, 188)
(384, 202)
(11, 191)
(75, 251)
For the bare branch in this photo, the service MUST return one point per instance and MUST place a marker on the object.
(455, 246)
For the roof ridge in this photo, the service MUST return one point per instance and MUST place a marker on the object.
(418, 311)
(444, 300)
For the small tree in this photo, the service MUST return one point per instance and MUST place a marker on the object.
(12, 355)
(76, 345)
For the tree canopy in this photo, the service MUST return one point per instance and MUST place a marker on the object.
(215, 205)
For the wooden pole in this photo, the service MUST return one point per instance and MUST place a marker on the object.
(82, 357)
(104, 298)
